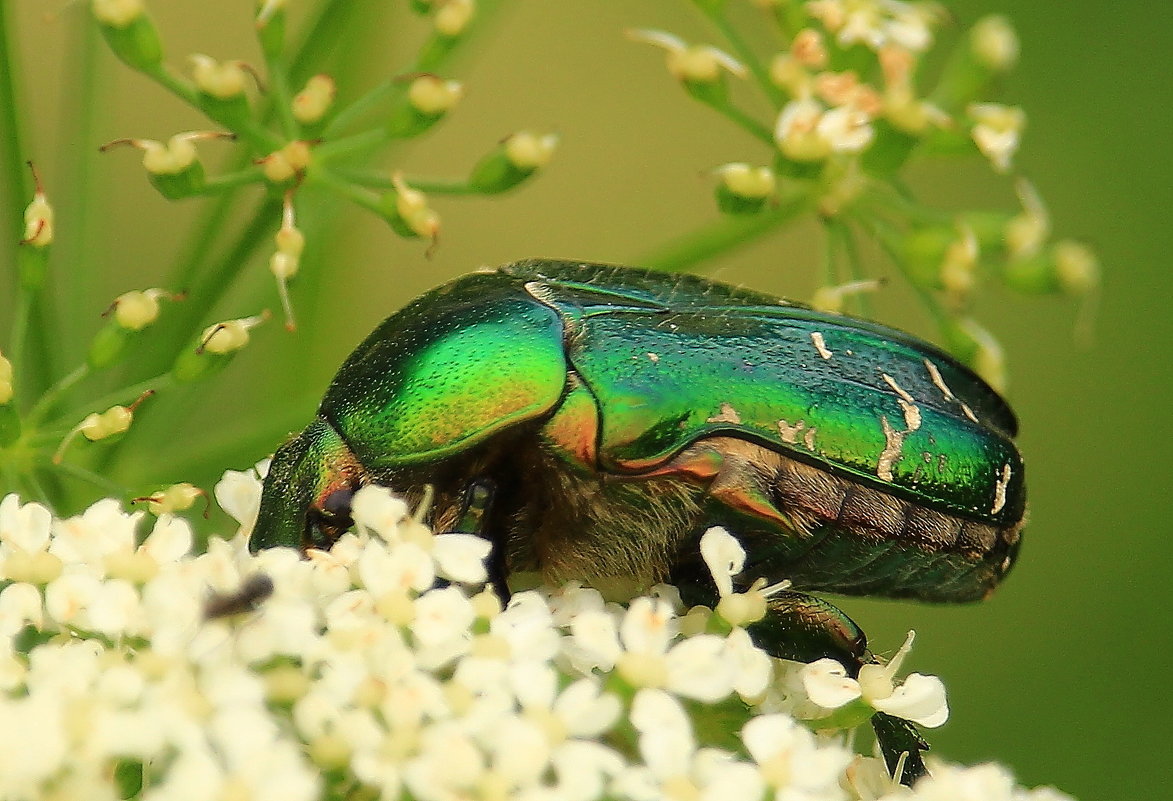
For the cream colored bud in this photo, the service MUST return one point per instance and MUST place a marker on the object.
(431, 95)
(114, 420)
(222, 79)
(290, 241)
(298, 154)
(312, 102)
(230, 335)
(994, 43)
(957, 268)
(136, 310)
(1077, 267)
(118, 13)
(691, 63)
(284, 164)
(176, 498)
(267, 8)
(1026, 233)
(176, 156)
(746, 181)
(787, 73)
(988, 360)
(6, 390)
(283, 265)
(809, 49)
(454, 16)
(408, 202)
(38, 221)
(529, 151)
(996, 131)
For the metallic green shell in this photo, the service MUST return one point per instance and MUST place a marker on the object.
(671, 359)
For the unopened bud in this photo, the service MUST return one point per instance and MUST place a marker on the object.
(95, 426)
(1026, 233)
(831, 298)
(130, 32)
(176, 498)
(223, 80)
(454, 16)
(285, 262)
(118, 13)
(285, 164)
(38, 216)
(136, 310)
(312, 102)
(809, 49)
(996, 131)
(433, 96)
(410, 214)
(6, 391)
(980, 350)
(1076, 266)
(514, 160)
(229, 336)
(958, 267)
(744, 189)
(529, 151)
(692, 64)
(994, 43)
(787, 72)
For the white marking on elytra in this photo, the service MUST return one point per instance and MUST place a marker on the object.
(727, 415)
(790, 432)
(907, 404)
(939, 382)
(893, 444)
(655, 357)
(821, 345)
(1000, 485)
(808, 439)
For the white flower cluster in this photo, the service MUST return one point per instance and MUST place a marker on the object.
(355, 674)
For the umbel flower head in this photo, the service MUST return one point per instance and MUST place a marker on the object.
(354, 671)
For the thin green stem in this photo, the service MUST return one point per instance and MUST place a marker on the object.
(118, 396)
(741, 119)
(78, 254)
(830, 256)
(228, 181)
(887, 238)
(716, 15)
(89, 477)
(724, 235)
(350, 145)
(282, 102)
(55, 392)
(353, 193)
(432, 186)
(248, 129)
(15, 182)
(842, 231)
(20, 326)
(372, 99)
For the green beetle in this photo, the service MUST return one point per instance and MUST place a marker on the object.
(593, 421)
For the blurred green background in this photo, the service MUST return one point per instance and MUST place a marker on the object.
(1064, 674)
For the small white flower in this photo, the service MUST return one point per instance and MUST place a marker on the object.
(920, 698)
(377, 509)
(239, 494)
(724, 557)
(461, 557)
(25, 527)
(691, 63)
(790, 759)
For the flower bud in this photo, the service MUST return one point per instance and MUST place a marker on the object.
(453, 17)
(1076, 266)
(95, 426)
(130, 32)
(996, 131)
(174, 168)
(284, 165)
(215, 348)
(514, 160)
(311, 103)
(38, 217)
(831, 298)
(978, 348)
(286, 260)
(744, 189)
(175, 498)
(994, 43)
(6, 391)
(700, 68)
(1026, 233)
(428, 99)
(408, 212)
(223, 80)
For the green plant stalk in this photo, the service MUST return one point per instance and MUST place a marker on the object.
(80, 97)
(743, 120)
(715, 13)
(724, 235)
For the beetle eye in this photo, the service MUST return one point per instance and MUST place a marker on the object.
(336, 505)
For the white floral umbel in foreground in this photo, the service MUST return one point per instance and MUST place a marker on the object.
(357, 679)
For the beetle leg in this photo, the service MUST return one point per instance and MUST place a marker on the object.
(474, 516)
(804, 628)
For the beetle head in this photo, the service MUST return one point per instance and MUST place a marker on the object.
(305, 502)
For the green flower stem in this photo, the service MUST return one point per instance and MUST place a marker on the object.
(259, 139)
(20, 327)
(882, 197)
(355, 194)
(282, 102)
(357, 144)
(840, 230)
(725, 235)
(229, 181)
(431, 186)
(358, 109)
(740, 118)
(46, 402)
(889, 239)
(715, 13)
(119, 396)
(83, 95)
(89, 477)
(15, 181)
